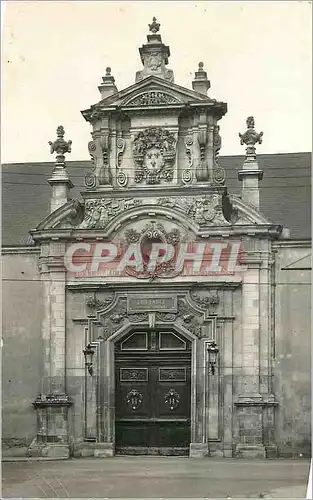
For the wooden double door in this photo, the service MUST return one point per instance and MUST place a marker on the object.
(153, 390)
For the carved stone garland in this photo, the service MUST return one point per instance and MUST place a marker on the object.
(154, 152)
(93, 303)
(204, 209)
(207, 302)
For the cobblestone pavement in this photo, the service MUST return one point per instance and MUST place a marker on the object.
(155, 477)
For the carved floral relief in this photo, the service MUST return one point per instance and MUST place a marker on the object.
(204, 209)
(99, 212)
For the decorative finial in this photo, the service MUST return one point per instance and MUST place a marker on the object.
(108, 71)
(154, 26)
(201, 84)
(60, 146)
(250, 138)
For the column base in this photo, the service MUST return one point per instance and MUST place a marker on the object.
(198, 450)
(250, 451)
(216, 449)
(104, 450)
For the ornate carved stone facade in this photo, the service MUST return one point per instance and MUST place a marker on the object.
(156, 179)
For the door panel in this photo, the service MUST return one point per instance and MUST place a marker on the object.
(153, 398)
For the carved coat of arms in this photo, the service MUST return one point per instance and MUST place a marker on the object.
(154, 61)
(154, 152)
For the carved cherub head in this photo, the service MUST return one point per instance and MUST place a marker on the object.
(154, 159)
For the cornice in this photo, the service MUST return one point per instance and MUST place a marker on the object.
(290, 243)
(180, 287)
(20, 250)
(155, 191)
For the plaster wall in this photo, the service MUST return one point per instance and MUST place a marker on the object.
(22, 350)
(292, 348)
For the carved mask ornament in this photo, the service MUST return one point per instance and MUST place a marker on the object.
(172, 399)
(154, 61)
(134, 399)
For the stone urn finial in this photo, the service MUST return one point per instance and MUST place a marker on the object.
(250, 138)
(60, 146)
(154, 26)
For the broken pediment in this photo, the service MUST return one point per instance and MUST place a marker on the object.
(245, 213)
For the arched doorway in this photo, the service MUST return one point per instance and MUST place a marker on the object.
(153, 392)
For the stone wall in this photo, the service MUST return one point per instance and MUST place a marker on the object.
(292, 375)
(22, 353)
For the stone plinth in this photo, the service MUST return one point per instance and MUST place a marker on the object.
(198, 450)
(52, 426)
(255, 429)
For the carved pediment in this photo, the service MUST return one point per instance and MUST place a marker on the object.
(155, 89)
(151, 91)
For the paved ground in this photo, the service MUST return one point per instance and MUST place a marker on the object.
(158, 477)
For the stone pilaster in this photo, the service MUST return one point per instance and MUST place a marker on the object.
(266, 346)
(52, 404)
(249, 401)
(250, 329)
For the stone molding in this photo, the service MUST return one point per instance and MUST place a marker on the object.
(20, 250)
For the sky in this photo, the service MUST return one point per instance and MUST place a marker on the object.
(257, 55)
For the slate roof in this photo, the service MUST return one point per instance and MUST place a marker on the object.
(285, 192)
